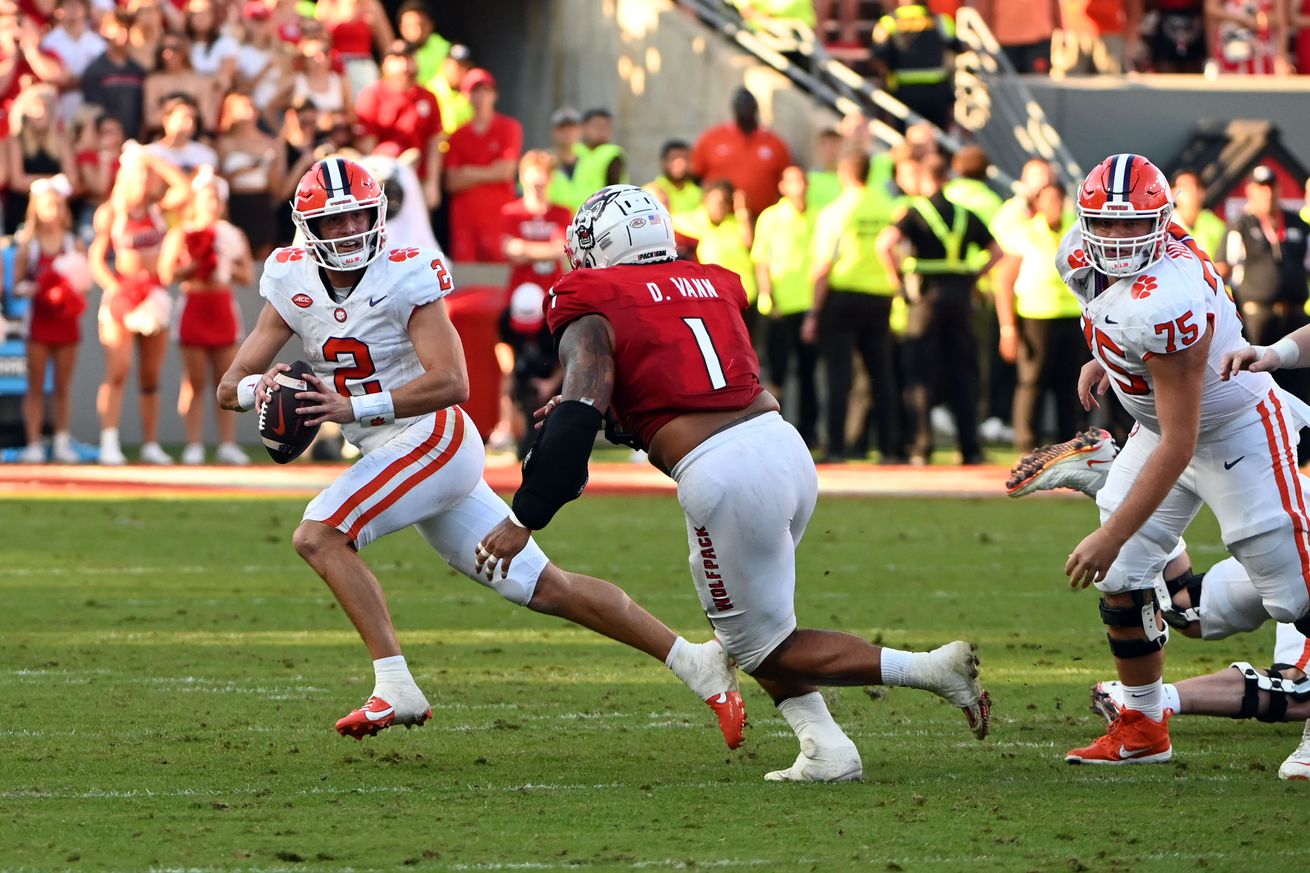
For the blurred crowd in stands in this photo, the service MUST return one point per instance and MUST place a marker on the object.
(896, 296)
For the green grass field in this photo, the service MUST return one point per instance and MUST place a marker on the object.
(172, 672)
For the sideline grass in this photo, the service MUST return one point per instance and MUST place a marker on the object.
(172, 673)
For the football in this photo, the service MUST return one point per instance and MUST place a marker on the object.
(282, 429)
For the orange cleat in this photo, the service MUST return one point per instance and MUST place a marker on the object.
(731, 710)
(378, 715)
(1131, 739)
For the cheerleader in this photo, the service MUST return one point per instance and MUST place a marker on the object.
(135, 307)
(207, 254)
(51, 270)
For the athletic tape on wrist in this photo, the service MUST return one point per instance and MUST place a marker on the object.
(373, 410)
(246, 391)
(1289, 353)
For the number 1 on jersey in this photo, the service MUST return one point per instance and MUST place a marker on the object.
(708, 352)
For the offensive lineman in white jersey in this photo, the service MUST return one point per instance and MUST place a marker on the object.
(1159, 324)
(389, 367)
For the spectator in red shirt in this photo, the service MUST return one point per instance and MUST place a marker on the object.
(480, 170)
(749, 156)
(397, 114)
(533, 228)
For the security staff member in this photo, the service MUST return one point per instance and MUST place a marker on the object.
(938, 279)
(913, 50)
(852, 306)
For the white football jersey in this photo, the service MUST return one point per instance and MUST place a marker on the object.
(1163, 309)
(360, 345)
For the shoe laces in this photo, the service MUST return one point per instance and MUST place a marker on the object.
(1034, 461)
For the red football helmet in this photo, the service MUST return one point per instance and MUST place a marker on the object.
(1125, 187)
(332, 186)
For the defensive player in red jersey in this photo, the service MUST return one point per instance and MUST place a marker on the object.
(660, 345)
(389, 367)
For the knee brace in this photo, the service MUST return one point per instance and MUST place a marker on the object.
(1140, 614)
(1280, 691)
(1182, 618)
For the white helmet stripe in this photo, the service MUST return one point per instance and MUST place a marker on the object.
(1120, 174)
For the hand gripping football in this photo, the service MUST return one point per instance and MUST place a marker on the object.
(282, 429)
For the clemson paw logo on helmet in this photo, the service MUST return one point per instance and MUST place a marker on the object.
(400, 255)
(1078, 259)
(290, 255)
(1143, 287)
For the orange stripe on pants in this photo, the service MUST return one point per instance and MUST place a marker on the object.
(1299, 531)
(408, 485)
(388, 473)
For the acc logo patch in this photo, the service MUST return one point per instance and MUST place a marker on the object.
(1143, 287)
(303, 300)
(339, 314)
(637, 222)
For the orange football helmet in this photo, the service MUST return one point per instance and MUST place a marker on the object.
(1125, 187)
(330, 187)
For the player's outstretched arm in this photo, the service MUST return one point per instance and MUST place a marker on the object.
(254, 358)
(1291, 351)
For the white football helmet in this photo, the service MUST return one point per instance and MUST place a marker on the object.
(620, 224)
(332, 186)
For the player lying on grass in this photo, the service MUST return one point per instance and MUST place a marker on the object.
(661, 346)
(389, 367)
(1210, 605)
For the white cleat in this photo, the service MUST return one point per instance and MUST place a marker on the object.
(231, 455)
(151, 453)
(1297, 766)
(1108, 700)
(951, 671)
(1081, 463)
(837, 763)
(384, 709)
(711, 674)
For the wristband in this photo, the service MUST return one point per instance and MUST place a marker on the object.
(246, 391)
(373, 410)
(514, 520)
(1289, 353)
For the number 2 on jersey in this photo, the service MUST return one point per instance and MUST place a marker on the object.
(708, 352)
(361, 364)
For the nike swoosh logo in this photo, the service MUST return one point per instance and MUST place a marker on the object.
(1109, 320)
(378, 716)
(1228, 465)
(723, 697)
(1094, 463)
(1125, 752)
(281, 425)
(372, 302)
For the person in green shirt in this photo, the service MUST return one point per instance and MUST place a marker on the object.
(852, 307)
(1189, 199)
(600, 162)
(675, 187)
(1040, 324)
(565, 134)
(456, 109)
(822, 185)
(781, 253)
(723, 230)
(414, 22)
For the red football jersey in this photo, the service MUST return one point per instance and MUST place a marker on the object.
(680, 344)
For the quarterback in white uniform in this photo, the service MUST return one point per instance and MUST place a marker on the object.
(1159, 324)
(389, 367)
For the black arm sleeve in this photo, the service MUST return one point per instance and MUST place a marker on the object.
(555, 469)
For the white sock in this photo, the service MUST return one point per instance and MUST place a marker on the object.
(1171, 699)
(109, 436)
(1146, 699)
(391, 671)
(672, 656)
(809, 718)
(897, 665)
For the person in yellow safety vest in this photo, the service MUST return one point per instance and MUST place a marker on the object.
(913, 51)
(938, 278)
(1040, 322)
(1189, 211)
(822, 186)
(565, 134)
(415, 26)
(852, 306)
(783, 237)
(600, 162)
(723, 230)
(675, 187)
(456, 109)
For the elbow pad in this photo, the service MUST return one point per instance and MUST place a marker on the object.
(555, 469)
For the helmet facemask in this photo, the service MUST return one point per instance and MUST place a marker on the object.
(329, 253)
(1119, 257)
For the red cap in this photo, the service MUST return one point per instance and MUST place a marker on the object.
(475, 77)
(254, 10)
